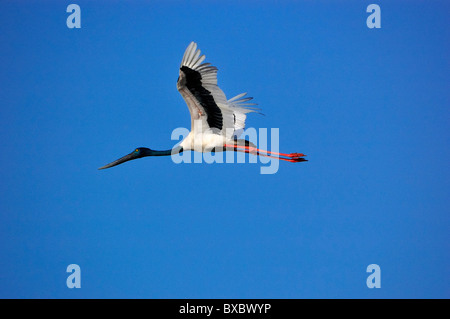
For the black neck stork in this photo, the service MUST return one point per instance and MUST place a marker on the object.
(216, 122)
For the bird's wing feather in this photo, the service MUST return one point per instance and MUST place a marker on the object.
(197, 84)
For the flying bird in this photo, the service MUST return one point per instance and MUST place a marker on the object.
(216, 122)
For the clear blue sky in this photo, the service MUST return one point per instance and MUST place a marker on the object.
(370, 107)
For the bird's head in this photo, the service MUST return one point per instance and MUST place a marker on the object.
(137, 153)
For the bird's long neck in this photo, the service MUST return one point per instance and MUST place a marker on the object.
(160, 153)
(175, 150)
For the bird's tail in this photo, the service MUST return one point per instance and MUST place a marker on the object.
(240, 106)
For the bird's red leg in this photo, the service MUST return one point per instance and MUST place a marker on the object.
(252, 150)
(292, 160)
(291, 155)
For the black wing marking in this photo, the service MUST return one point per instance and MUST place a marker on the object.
(204, 97)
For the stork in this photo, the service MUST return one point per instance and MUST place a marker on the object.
(216, 122)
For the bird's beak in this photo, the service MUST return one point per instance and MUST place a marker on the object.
(121, 160)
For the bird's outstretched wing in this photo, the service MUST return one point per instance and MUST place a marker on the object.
(197, 84)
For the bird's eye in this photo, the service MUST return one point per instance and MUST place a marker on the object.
(137, 150)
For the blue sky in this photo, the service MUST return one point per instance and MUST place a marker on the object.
(370, 107)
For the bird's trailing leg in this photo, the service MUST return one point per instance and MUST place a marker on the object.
(292, 157)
